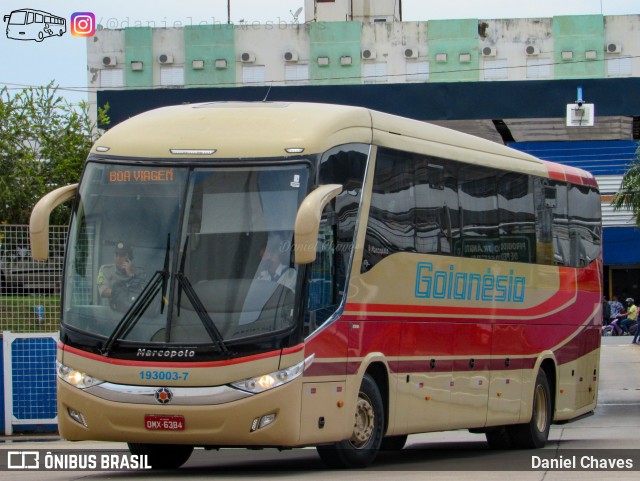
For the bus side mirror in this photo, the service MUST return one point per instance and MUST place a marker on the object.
(39, 222)
(308, 221)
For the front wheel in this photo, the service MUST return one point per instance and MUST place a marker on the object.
(163, 456)
(361, 448)
(535, 433)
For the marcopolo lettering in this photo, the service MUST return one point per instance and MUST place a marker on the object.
(166, 353)
(468, 286)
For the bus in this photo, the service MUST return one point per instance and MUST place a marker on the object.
(29, 24)
(300, 274)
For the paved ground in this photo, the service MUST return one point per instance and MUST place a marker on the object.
(455, 455)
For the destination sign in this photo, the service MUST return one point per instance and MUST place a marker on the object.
(140, 175)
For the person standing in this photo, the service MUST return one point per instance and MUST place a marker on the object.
(630, 317)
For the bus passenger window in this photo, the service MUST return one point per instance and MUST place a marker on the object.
(584, 225)
(437, 213)
(391, 217)
(479, 212)
(322, 288)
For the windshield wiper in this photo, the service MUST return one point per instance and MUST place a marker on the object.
(135, 312)
(201, 311)
(165, 277)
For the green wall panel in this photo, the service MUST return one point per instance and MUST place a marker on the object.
(209, 43)
(138, 48)
(335, 40)
(453, 37)
(578, 34)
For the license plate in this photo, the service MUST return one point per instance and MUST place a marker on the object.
(154, 422)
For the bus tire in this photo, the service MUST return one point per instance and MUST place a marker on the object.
(535, 433)
(499, 438)
(361, 448)
(163, 456)
(393, 443)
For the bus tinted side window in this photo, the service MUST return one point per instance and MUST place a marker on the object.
(391, 216)
(560, 226)
(344, 165)
(517, 221)
(479, 210)
(584, 224)
(437, 219)
(431, 205)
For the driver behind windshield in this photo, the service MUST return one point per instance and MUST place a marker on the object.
(122, 281)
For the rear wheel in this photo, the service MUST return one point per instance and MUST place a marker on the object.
(498, 438)
(362, 447)
(534, 434)
(163, 456)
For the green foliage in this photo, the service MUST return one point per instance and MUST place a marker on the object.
(44, 142)
(628, 197)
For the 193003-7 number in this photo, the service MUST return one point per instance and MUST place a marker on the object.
(164, 375)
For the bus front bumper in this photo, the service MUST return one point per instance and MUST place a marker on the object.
(270, 418)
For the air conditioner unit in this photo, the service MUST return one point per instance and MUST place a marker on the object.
(247, 57)
(290, 57)
(109, 61)
(165, 59)
(614, 48)
(368, 54)
(441, 57)
(531, 50)
(591, 55)
(410, 53)
(488, 51)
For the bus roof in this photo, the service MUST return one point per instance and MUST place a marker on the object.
(32, 10)
(266, 129)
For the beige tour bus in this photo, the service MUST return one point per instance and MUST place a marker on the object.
(296, 274)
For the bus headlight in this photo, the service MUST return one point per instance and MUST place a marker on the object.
(274, 379)
(76, 378)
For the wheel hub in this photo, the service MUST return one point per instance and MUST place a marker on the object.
(364, 423)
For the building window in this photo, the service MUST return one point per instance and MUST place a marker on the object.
(253, 74)
(618, 67)
(111, 78)
(171, 76)
(418, 71)
(538, 68)
(296, 74)
(375, 72)
(495, 69)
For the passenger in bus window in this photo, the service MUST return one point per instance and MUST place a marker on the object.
(122, 281)
(275, 263)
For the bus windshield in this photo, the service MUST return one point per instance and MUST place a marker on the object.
(180, 255)
(18, 18)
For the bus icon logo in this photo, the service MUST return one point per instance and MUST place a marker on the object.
(23, 460)
(83, 24)
(30, 24)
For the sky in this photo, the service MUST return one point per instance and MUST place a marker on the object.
(63, 59)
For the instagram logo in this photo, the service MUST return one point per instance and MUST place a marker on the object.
(83, 24)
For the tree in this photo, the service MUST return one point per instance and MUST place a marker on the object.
(44, 142)
(628, 197)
